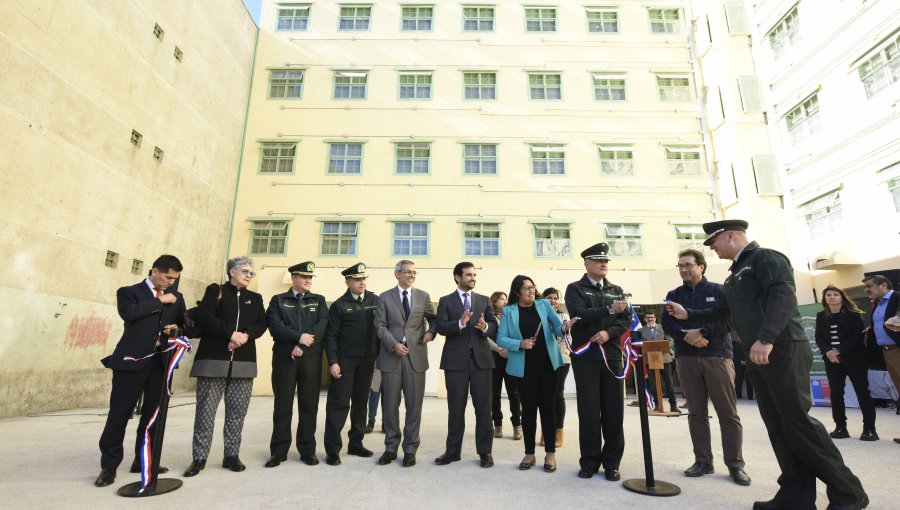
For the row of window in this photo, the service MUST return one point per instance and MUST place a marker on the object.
(354, 84)
(476, 18)
(415, 158)
(550, 240)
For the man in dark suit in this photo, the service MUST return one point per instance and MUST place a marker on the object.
(884, 306)
(603, 316)
(148, 309)
(401, 318)
(297, 320)
(467, 320)
(351, 345)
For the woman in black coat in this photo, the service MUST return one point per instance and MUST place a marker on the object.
(231, 318)
(839, 335)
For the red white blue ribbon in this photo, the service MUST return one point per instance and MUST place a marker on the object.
(629, 348)
(178, 346)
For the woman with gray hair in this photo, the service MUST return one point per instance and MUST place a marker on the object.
(231, 317)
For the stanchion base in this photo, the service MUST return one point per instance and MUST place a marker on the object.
(659, 488)
(667, 414)
(163, 485)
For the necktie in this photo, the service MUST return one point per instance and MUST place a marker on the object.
(405, 305)
(466, 304)
(158, 291)
(359, 300)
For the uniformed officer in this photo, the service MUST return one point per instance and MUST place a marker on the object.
(603, 316)
(351, 345)
(761, 301)
(297, 320)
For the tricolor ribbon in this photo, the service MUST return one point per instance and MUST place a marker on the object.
(651, 404)
(178, 346)
(629, 348)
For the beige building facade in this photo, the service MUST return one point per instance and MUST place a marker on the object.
(512, 135)
(120, 134)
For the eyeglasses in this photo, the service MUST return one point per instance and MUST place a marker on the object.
(413, 273)
(248, 272)
(527, 288)
(686, 266)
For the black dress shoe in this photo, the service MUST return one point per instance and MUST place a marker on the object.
(276, 460)
(106, 477)
(360, 451)
(370, 427)
(699, 469)
(867, 435)
(839, 432)
(856, 505)
(446, 458)
(770, 505)
(612, 475)
(525, 465)
(333, 459)
(196, 466)
(136, 467)
(487, 460)
(409, 460)
(309, 460)
(233, 463)
(586, 473)
(386, 458)
(739, 476)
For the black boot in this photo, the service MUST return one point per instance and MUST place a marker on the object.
(840, 432)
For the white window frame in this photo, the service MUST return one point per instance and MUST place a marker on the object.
(548, 159)
(616, 160)
(823, 216)
(542, 88)
(480, 159)
(602, 18)
(413, 85)
(882, 69)
(557, 245)
(673, 87)
(286, 80)
(412, 238)
(483, 19)
(342, 162)
(478, 236)
(664, 20)
(277, 158)
(804, 119)
(419, 158)
(537, 19)
(785, 34)
(684, 161)
(625, 239)
(417, 15)
(355, 81)
(273, 234)
(345, 238)
(479, 88)
(613, 86)
(295, 17)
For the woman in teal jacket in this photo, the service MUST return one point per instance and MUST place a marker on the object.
(528, 330)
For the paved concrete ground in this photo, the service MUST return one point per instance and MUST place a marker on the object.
(51, 460)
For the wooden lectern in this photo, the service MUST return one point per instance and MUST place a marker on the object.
(653, 351)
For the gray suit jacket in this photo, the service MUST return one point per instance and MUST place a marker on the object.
(391, 327)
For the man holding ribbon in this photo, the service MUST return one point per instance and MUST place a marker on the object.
(597, 363)
(148, 309)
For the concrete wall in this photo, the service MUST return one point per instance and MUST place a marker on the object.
(78, 77)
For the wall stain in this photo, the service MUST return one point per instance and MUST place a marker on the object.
(85, 332)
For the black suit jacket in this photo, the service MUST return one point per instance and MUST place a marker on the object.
(144, 317)
(456, 345)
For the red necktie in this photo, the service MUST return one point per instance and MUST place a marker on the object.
(158, 291)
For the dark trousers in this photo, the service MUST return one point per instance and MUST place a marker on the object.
(459, 384)
(538, 391)
(512, 393)
(601, 411)
(349, 394)
(303, 376)
(801, 444)
(668, 386)
(740, 378)
(127, 387)
(855, 368)
(561, 373)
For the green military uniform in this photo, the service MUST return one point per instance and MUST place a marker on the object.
(760, 299)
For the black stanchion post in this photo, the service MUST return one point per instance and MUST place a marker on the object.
(648, 485)
(157, 485)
